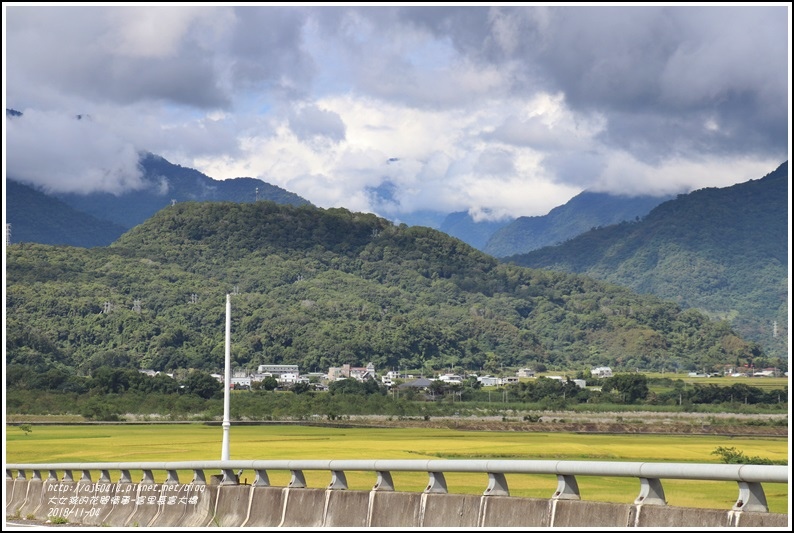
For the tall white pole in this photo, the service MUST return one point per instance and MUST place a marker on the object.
(227, 381)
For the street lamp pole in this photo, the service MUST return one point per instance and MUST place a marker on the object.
(227, 381)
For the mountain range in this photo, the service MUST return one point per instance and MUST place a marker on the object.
(327, 287)
(724, 251)
(97, 219)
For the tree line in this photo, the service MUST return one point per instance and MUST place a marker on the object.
(110, 393)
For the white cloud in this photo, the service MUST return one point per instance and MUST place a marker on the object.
(63, 154)
(491, 109)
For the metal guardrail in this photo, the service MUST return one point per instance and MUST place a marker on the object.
(749, 477)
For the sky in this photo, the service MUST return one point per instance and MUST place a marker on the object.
(500, 110)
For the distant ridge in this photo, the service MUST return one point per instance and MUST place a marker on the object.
(167, 182)
(37, 217)
(581, 213)
(722, 250)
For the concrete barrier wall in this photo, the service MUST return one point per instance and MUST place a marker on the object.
(16, 493)
(129, 504)
(345, 508)
(528, 512)
(267, 507)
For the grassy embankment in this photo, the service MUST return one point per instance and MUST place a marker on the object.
(120, 443)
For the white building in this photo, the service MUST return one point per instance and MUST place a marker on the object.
(241, 381)
(525, 373)
(602, 372)
(277, 370)
(490, 381)
(389, 378)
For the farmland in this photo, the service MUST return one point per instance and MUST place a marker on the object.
(181, 442)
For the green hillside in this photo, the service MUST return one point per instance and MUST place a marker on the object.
(724, 251)
(37, 217)
(321, 288)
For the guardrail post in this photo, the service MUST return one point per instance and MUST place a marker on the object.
(437, 483)
(229, 477)
(21, 474)
(567, 488)
(384, 481)
(104, 476)
(751, 498)
(36, 475)
(198, 477)
(173, 478)
(298, 481)
(86, 476)
(53, 475)
(261, 479)
(651, 492)
(148, 478)
(126, 477)
(497, 485)
(67, 475)
(9, 474)
(338, 480)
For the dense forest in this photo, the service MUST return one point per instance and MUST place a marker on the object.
(322, 288)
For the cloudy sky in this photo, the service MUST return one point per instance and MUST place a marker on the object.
(498, 110)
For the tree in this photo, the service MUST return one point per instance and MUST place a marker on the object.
(301, 387)
(269, 384)
(203, 385)
(734, 456)
(631, 387)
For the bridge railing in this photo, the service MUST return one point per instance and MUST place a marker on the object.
(750, 478)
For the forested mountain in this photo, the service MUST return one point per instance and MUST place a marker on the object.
(167, 182)
(322, 288)
(37, 217)
(583, 212)
(721, 250)
(96, 219)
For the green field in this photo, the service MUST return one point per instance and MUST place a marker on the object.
(764, 383)
(182, 442)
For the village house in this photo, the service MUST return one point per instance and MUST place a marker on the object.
(601, 372)
(353, 372)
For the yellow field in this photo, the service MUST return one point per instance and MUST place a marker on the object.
(182, 442)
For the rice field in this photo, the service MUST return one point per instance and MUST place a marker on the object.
(184, 442)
